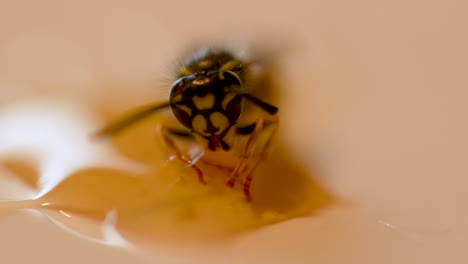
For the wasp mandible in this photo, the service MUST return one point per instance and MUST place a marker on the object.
(208, 98)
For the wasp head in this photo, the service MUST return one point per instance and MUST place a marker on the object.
(208, 103)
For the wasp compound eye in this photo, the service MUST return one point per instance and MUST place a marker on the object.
(207, 102)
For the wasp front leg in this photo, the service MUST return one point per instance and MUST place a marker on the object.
(260, 135)
(168, 136)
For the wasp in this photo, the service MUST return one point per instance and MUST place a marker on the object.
(212, 98)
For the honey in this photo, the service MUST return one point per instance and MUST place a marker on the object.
(162, 202)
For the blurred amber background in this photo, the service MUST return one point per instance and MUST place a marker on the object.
(373, 100)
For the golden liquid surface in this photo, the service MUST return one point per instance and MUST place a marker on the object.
(162, 202)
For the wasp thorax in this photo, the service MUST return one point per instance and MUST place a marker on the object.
(208, 103)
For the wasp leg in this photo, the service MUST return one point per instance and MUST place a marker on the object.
(255, 151)
(243, 131)
(260, 157)
(248, 130)
(247, 182)
(167, 136)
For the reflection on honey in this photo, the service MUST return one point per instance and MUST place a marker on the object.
(164, 201)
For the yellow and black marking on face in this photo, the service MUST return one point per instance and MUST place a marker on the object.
(209, 104)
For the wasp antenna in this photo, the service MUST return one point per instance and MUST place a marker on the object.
(129, 119)
(265, 106)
